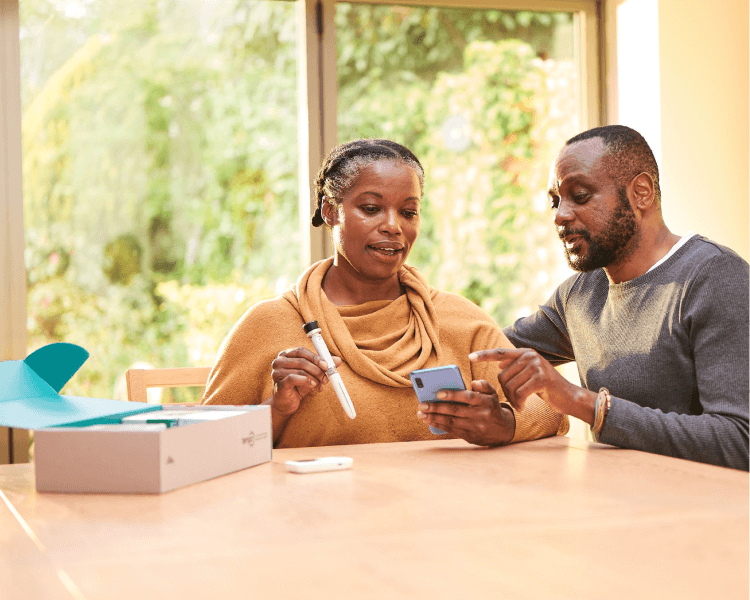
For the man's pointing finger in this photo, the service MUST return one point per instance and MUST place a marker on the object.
(504, 356)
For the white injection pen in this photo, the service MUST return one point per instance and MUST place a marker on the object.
(313, 332)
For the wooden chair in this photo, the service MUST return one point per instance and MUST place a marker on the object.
(139, 380)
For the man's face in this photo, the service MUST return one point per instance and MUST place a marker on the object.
(593, 215)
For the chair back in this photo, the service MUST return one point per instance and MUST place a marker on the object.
(139, 380)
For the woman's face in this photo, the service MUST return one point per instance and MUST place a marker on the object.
(377, 220)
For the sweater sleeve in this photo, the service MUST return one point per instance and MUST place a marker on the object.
(242, 372)
(714, 313)
(537, 419)
(546, 331)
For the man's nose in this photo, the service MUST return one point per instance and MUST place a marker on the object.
(563, 213)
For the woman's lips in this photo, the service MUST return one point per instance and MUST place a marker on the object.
(387, 250)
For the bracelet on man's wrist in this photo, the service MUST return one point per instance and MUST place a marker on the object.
(601, 408)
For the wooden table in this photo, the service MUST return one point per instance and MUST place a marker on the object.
(554, 518)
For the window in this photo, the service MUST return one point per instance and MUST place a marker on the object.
(485, 98)
(160, 175)
(161, 161)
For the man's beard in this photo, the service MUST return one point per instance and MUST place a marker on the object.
(611, 247)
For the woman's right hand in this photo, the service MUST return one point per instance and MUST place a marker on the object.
(296, 372)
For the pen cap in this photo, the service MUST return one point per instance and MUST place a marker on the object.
(310, 326)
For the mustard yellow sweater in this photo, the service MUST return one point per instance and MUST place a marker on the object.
(380, 342)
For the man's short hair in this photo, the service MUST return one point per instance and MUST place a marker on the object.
(627, 154)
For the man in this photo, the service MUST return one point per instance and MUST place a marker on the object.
(657, 324)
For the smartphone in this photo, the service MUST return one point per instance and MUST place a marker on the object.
(428, 382)
(318, 465)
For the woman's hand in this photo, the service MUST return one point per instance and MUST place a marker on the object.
(481, 420)
(296, 372)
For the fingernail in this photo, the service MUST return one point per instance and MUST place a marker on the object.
(325, 378)
(442, 395)
(473, 356)
(421, 415)
(323, 365)
(423, 407)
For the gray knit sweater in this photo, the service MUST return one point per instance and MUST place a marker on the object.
(671, 346)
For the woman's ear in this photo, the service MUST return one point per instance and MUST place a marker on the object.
(329, 212)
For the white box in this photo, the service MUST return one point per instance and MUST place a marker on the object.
(71, 459)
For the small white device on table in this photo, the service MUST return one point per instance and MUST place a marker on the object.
(318, 465)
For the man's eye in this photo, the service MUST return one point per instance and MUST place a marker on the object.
(554, 202)
(579, 198)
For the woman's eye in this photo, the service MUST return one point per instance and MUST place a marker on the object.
(370, 209)
(411, 214)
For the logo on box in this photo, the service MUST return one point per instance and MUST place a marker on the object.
(252, 438)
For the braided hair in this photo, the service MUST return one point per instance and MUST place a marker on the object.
(342, 167)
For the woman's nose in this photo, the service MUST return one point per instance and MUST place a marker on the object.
(391, 222)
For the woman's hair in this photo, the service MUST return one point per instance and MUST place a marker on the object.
(344, 163)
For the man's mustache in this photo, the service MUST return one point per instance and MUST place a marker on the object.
(564, 232)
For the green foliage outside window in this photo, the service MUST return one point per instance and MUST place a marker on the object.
(160, 161)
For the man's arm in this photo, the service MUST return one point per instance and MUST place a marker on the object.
(715, 314)
(546, 331)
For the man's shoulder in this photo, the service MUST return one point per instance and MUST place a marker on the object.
(701, 245)
(701, 255)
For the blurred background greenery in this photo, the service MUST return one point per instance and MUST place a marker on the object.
(160, 161)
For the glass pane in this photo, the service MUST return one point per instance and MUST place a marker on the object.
(160, 175)
(485, 98)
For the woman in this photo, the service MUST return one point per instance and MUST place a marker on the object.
(378, 315)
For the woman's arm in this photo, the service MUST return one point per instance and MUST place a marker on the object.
(487, 418)
(263, 361)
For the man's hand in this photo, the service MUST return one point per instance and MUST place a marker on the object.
(481, 419)
(524, 373)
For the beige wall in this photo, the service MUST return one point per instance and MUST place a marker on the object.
(691, 105)
(703, 62)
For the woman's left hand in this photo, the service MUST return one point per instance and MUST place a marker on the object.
(482, 419)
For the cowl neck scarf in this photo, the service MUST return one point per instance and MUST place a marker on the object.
(382, 340)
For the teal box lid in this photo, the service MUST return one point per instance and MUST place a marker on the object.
(29, 397)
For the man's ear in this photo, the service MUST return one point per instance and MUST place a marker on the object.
(329, 213)
(642, 189)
